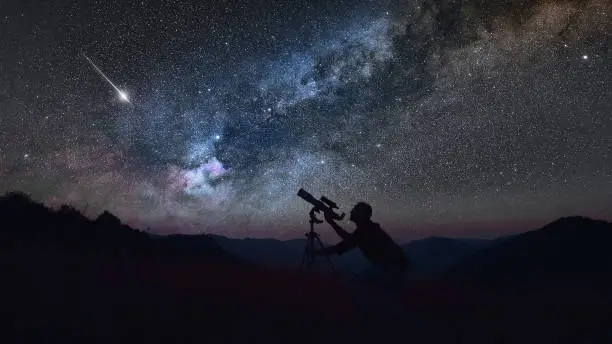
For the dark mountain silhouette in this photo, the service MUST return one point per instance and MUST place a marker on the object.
(272, 253)
(569, 251)
(264, 252)
(65, 277)
(27, 224)
(430, 257)
(193, 246)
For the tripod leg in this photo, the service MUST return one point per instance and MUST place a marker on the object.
(307, 257)
(304, 260)
(331, 264)
(307, 262)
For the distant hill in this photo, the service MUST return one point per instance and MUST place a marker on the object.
(430, 257)
(264, 252)
(570, 250)
(25, 224)
(193, 246)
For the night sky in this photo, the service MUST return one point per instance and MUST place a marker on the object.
(450, 118)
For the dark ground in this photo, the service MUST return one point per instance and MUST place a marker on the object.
(54, 297)
(66, 278)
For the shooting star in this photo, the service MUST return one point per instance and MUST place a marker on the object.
(122, 95)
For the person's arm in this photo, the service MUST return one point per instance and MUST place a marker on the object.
(343, 234)
(340, 248)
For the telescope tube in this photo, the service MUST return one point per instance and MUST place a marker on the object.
(319, 206)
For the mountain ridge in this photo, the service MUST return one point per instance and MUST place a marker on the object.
(567, 249)
(25, 223)
(570, 250)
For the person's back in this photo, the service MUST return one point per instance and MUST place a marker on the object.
(387, 257)
(378, 247)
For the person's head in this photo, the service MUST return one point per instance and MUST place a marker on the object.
(361, 213)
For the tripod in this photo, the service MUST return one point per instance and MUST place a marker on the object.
(313, 241)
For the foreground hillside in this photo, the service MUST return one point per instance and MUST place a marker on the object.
(66, 297)
(66, 278)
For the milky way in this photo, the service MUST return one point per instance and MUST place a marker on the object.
(449, 117)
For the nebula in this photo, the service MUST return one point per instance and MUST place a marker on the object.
(441, 114)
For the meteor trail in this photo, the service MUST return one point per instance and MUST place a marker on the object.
(122, 95)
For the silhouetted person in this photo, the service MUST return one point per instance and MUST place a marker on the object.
(387, 257)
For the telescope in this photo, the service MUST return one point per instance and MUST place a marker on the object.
(313, 239)
(324, 204)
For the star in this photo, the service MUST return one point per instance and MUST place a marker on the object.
(123, 96)
(395, 101)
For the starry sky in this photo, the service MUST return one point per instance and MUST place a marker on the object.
(456, 118)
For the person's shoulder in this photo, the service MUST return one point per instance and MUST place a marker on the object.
(368, 227)
(375, 225)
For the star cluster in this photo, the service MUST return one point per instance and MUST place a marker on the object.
(449, 117)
